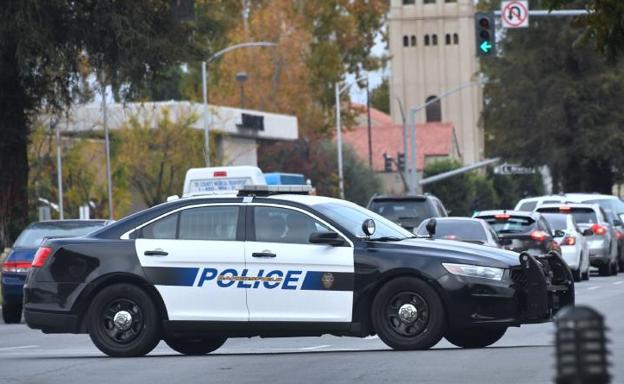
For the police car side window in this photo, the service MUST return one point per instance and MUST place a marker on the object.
(164, 228)
(280, 225)
(209, 223)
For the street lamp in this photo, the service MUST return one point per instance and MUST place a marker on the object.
(339, 90)
(241, 77)
(204, 66)
(411, 123)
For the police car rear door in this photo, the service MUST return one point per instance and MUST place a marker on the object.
(184, 253)
(296, 281)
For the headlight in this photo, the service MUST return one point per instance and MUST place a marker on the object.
(475, 271)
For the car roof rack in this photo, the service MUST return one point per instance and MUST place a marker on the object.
(268, 190)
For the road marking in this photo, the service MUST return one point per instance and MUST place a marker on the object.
(313, 348)
(20, 347)
(618, 282)
(593, 287)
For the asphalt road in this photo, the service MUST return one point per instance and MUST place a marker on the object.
(523, 355)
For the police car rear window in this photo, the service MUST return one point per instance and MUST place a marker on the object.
(217, 223)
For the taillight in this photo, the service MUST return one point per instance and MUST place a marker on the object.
(598, 230)
(538, 235)
(16, 266)
(41, 256)
(619, 235)
(502, 216)
(568, 240)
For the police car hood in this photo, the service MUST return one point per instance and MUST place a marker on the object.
(479, 254)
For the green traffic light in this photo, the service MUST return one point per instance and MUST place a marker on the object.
(485, 47)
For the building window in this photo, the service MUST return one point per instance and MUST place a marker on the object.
(450, 1)
(455, 38)
(434, 110)
(413, 40)
(448, 39)
(409, 2)
(429, 1)
(426, 39)
(434, 39)
(405, 41)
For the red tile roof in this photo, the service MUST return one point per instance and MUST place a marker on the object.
(432, 139)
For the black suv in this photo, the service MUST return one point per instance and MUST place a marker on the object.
(407, 211)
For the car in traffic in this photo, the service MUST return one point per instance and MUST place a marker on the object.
(602, 242)
(522, 231)
(19, 259)
(407, 211)
(466, 229)
(197, 271)
(609, 202)
(529, 204)
(616, 221)
(573, 243)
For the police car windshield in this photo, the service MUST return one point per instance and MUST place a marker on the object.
(351, 217)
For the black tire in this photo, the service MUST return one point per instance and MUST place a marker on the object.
(576, 275)
(614, 268)
(423, 331)
(621, 263)
(479, 337)
(195, 346)
(12, 313)
(604, 269)
(143, 333)
(586, 275)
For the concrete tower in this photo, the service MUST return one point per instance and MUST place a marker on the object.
(432, 45)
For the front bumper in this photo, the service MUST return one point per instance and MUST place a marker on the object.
(530, 293)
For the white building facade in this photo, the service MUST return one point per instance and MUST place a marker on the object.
(432, 49)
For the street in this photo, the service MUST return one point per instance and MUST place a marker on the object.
(524, 355)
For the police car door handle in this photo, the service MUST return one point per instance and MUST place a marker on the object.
(263, 254)
(156, 252)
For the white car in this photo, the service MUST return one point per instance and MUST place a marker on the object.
(531, 203)
(573, 243)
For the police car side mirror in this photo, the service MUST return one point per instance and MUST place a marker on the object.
(431, 227)
(327, 237)
(368, 227)
(588, 232)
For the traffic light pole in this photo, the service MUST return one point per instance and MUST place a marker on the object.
(560, 13)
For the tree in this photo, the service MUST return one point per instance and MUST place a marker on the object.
(549, 101)
(41, 43)
(155, 159)
(380, 96)
(604, 25)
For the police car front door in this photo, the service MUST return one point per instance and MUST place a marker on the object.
(296, 281)
(186, 255)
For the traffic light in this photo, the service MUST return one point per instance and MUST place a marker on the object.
(485, 28)
(401, 161)
(387, 163)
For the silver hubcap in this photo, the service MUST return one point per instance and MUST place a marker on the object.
(408, 313)
(122, 320)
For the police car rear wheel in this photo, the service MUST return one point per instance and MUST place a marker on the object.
(407, 314)
(475, 337)
(123, 321)
(12, 313)
(195, 345)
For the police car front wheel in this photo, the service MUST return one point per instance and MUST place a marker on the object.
(123, 321)
(195, 345)
(408, 314)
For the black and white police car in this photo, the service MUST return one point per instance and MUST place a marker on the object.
(199, 270)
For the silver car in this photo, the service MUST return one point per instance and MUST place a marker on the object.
(602, 243)
(573, 243)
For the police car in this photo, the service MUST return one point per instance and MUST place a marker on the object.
(196, 271)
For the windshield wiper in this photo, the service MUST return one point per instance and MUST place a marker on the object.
(388, 238)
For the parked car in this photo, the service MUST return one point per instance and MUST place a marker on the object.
(20, 257)
(602, 243)
(530, 203)
(573, 243)
(407, 211)
(459, 228)
(617, 223)
(522, 231)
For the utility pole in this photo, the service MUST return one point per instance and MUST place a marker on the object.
(109, 180)
(59, 167)
(368, 117)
